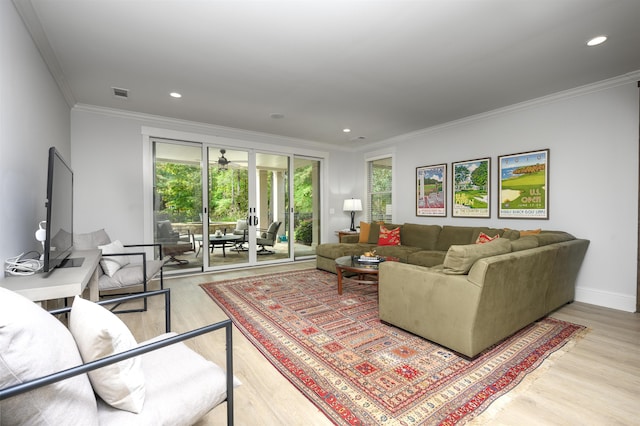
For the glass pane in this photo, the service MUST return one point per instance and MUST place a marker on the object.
(380, 193)
(273, 201)
(306, 222)
(228, 195)
(177, 202)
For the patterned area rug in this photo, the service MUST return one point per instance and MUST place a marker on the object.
(358, 371)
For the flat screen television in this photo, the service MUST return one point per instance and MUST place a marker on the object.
(58, 244)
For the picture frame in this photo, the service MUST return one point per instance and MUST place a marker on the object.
(523, 190)
(471, 188)
(431, 185)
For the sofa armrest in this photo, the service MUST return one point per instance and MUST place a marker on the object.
(350, 238)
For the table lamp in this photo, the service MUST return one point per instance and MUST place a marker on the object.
(352, 205)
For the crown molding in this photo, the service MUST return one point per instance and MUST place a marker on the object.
(205, 128)
(554, 97)
(34, 27)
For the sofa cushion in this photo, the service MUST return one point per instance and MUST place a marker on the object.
(552, 237)
(336, 250)
(98, 334)
(460, 258)
(423, 236)
(401, 252)
(451, 235)
(426, 258)
(524, 243)
(35, 344)
(389, 237)
(511, 234)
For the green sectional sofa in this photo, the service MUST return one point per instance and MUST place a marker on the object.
(467, 296)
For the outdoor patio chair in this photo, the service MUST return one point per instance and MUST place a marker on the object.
(268, 238)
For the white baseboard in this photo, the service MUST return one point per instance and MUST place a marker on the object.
(622, 302)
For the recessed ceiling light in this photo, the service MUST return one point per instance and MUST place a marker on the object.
(346, 130)
(597, 40)
(175, 95)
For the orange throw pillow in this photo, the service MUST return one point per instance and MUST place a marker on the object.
(484, 238)
(389, 237)
(530, 232)
(364, 232)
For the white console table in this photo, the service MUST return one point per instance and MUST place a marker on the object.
(62, 282)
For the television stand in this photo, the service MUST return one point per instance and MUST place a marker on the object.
(61, 282)
(71, 262)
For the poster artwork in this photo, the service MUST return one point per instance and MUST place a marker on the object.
(524, 185)
(471, 186)
(430, 190)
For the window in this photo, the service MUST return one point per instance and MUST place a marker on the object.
(379, 189)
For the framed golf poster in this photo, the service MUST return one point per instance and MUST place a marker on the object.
(523, 188)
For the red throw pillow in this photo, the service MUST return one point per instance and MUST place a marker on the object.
(484, 238)
(389, 237)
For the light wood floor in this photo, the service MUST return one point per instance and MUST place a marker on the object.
(594, 382)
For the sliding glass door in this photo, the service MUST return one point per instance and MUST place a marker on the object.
(306, 217)
(272, 207)
(219, 206)
(177, 202)
(225, 240)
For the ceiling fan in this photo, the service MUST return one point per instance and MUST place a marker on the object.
(222, 161)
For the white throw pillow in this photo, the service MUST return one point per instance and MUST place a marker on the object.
(99, 333)
(111, 264)
(34, 344)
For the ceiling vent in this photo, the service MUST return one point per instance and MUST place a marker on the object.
(120, 93)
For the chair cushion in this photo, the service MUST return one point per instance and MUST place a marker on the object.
(201, 385)
(98, 334)
(130, 275)
(91, 240)
(111, 264)
(241, 225)
(35, 344)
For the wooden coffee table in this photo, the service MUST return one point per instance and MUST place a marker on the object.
(366, 272)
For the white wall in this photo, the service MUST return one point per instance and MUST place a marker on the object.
(593, 176)
(592, 135)
(33, 117)
(108, 156)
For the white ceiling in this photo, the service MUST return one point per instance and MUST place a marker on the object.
(381, 68)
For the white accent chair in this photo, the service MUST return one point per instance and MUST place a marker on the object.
(43, 379)
(122, 269)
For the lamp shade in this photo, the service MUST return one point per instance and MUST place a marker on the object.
(352, 205)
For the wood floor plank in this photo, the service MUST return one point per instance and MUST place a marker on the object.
(595, 381)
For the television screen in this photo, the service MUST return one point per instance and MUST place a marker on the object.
(59, 239)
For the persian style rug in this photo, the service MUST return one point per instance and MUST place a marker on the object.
(358, 371)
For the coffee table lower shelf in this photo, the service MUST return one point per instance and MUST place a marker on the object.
(365, 273)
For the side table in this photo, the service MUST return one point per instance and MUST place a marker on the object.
(341, 233)
(62, 283)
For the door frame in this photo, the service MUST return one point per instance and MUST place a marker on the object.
(263, 143)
